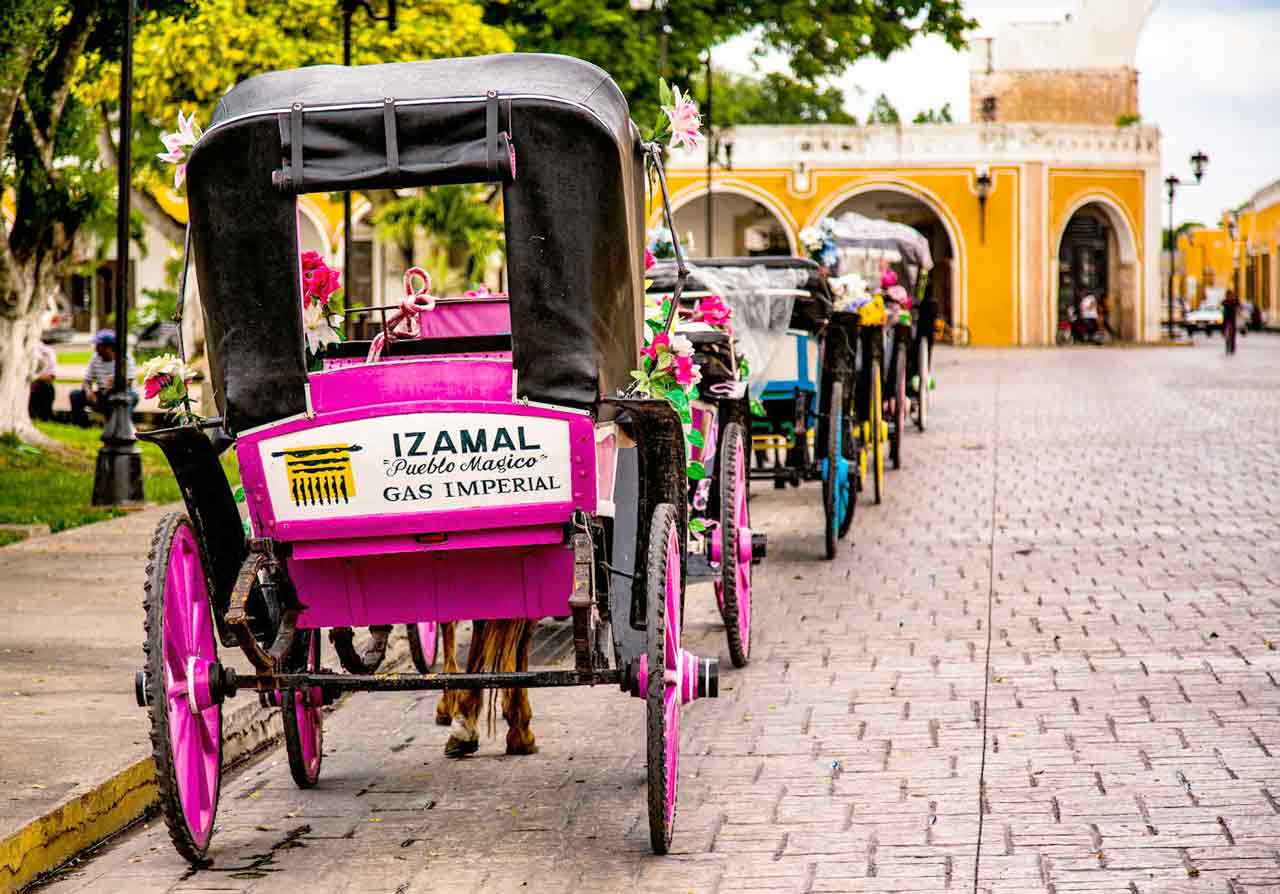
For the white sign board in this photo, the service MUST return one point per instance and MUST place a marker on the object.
(417, 462)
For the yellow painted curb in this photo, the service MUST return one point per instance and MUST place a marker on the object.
(53, 839)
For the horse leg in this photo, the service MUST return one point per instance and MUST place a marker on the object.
(515, 703)
(449, 698)
(464, 735)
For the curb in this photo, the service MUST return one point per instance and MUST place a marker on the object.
(80, 823)
(90, 818)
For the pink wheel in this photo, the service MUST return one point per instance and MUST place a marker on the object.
(180, 684)
(731, 545)
(664, 596)
(302, 713)
(422, 644)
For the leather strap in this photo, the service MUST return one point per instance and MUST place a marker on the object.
(295, 146)
(389, 129)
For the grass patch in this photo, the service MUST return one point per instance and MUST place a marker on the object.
(7, 537)
(42, 486)
(75, 358)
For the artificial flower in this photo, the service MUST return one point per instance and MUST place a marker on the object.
(660, 342)
(680, 346)
(166, 377)
(318, 327)
(176, 145)
(687, 372)
(899, 296)
(686, 123)
(649, 259)
(713, 311)
(887, 276)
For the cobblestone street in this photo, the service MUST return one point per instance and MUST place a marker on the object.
(1047, 663)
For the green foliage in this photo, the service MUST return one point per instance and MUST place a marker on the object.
(772, 99)
(53, 487)
(818, 39)
(883, 112)
(462, 220)
(1128, 119)
(187, 55)
(934, 116)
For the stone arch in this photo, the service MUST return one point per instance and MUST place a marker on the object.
(698, 193)
(950, 226)
(1124, 285)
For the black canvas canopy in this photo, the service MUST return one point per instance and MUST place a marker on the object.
(554, 131)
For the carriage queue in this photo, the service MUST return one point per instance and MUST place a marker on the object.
(551, 451)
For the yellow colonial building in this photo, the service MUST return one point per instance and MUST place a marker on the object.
(1242, 253)
(1052, 193)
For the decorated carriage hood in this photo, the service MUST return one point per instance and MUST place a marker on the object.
(573, 210)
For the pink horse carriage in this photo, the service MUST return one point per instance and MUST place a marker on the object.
(495, 467)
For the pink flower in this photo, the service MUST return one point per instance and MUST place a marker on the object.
(713, 311)
(899, 295)
(155, 385)
(686, 123)
(887, 276)
(686, 371)
(179, 176)
(661, 340)
(187, 128)
(176, 145)
(649, 259)
(311, 260)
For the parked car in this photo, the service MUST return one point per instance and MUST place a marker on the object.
(160, 337)
(55, 325)
(1207, 317)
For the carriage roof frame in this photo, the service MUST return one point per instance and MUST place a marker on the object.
(553, 132)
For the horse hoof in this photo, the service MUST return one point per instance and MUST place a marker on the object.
(456, 747)
(443, 719)
(515, 748)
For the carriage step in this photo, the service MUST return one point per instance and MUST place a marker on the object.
(699, 677)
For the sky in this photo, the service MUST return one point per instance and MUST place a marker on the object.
(1209, 78)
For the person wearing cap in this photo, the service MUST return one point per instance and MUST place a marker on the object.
(99, 378)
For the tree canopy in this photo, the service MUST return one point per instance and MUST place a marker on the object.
(772, 99)
(819, 39)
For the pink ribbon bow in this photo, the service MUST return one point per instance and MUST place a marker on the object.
(405, 323)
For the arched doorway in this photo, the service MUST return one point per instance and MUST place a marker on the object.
(1097, 257)
(902, 207)
(742, 226)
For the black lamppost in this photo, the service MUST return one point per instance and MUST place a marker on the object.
(664, 28)
(118, 476)
(349, 8)
(1199, 161)
(983, 183)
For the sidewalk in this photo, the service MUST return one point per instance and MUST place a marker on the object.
(74, 749)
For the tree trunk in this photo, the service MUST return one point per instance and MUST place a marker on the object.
(19, 336)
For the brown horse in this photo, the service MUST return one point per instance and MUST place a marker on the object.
(496, 646)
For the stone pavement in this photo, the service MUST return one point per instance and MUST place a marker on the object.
(1045, 664)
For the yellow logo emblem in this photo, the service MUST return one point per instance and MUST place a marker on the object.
(320, 475)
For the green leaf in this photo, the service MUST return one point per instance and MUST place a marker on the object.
(665, 96)
(238, 493)
(696, 471)
(678, 398)
(694, 437)
(697, 525)
(686, 417)
(757, 407)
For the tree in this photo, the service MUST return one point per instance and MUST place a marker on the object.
(186, 61)
(934, 116)
(819, 39)
(48, 170)
(461, 220)
(773, 99)
(883, 112)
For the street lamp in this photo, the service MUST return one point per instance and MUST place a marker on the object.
(983, 185)
(349, 8)
(118, 475)
(664, 27)
(1199, 161)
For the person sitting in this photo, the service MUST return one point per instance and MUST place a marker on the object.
(99, 378)
(41, 394)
